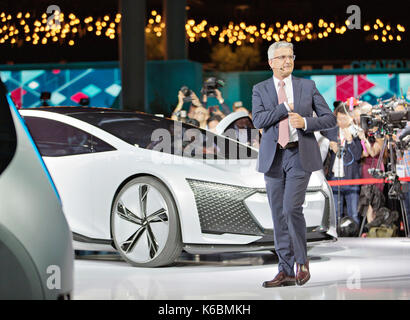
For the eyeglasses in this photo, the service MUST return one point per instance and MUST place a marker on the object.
(283, 58)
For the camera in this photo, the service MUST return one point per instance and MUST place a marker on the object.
(210, 85)
(187, 93)
(84, 102)
(45, 97)
(354, 130)
(368, 122)
(385, 117)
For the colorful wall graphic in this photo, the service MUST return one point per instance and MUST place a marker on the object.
(369, 87)
(67, 86)
(103, 85)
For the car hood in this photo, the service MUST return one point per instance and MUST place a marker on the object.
(246, 171)
(235, 172)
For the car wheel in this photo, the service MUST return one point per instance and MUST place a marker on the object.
(145, 225)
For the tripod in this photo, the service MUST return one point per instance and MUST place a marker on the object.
(340, 155)
(395, 192)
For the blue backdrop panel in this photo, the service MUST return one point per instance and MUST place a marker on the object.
(101, 83)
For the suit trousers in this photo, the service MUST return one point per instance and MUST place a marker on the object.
(286, 184)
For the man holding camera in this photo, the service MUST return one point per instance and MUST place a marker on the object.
(210, 89)
(181, 99)
(283, 107)
(215, 109)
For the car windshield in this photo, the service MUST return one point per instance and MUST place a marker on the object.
(165, 135)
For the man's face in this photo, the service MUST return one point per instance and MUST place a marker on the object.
(282, 63)
(356, 115)
(343, 120)
(191, 112)
(212, 125)
(201, 114)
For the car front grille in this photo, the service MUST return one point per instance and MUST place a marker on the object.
(221, 208)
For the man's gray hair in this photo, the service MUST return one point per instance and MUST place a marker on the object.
(277, 45)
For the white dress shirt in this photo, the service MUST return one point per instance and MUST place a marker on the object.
(293, 134)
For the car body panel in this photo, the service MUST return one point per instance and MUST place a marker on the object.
(108, 171)
(34, 233)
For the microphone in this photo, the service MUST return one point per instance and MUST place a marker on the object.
(280, 68)
(339, 148)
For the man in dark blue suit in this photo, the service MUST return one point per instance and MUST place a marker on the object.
(283, 107)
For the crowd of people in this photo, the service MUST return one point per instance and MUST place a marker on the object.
(351, 153)
(201, 115)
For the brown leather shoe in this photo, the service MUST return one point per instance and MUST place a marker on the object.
(302, 273)
(281, 280)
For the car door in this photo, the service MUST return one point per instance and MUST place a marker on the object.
(67, 152)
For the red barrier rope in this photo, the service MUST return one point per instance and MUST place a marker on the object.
(362, 181)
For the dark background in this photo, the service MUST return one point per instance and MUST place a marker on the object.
(334, 49)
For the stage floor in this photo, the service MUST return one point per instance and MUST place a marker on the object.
(350, 268)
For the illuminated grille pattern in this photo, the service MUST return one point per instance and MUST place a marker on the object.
(221, 208)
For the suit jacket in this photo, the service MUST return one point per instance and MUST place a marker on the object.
(267, 113)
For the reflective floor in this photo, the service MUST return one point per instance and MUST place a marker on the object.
(351, 268)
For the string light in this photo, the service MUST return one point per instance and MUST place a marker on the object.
(36, 29)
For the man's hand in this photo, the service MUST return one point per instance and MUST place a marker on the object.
(296, 120)
(219, 97)
(291, 106)
(361, 135)
(181, 97)
(348, 135)
(333, 146)
(218, 112)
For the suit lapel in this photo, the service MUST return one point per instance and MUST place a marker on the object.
(297, 92)
(271, 90)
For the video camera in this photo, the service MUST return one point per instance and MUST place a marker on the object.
(403, 143)
(210, 85)
(388, 120)
(385, 118)
(187, 93)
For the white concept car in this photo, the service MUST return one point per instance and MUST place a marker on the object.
(136, 183)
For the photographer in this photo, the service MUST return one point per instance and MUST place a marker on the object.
(405, 162)
(181, 97)
(215, 110)
(201, 114)
(212, 122)
(210, 89)
(345, 158)
(372, 147)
